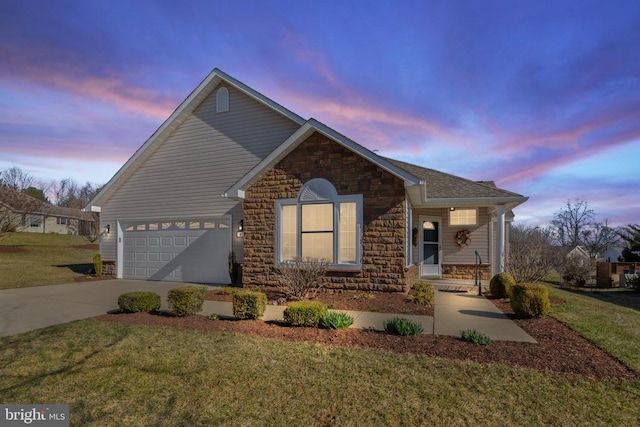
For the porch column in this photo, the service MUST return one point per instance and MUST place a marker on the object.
(500, 244)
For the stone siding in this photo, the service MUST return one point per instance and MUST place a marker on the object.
(465, 271)
(383, 237)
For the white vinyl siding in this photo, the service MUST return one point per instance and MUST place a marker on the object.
(187, 174)
(451, 252)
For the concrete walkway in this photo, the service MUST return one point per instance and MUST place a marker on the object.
(25, 309)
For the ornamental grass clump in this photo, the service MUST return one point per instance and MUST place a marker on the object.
(134, 302)
(305, 313)
(402, 326)
(475, 337)
(530, 300)
(186, 300)
(336, 320)
(249, 305)
(501, 284)
(424, 294)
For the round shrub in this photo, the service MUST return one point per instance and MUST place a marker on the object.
(336, 320)
(501, 284)
(305, 313)
(134, 302)
(186, 300)
(530, 300)
(249, 304)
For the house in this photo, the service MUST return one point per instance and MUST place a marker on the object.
(613, 254)
(232, 170)
(579, 255)
(23, 213)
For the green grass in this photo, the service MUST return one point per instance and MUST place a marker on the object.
(138, 375)
(43, 259)
(604, 317)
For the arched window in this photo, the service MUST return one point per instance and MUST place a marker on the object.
(222, 100)
(320, 224)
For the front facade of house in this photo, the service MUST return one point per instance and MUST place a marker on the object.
(231, 170)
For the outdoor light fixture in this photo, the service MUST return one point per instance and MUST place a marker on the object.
(107, 229)
(452, 209)
(240, 231)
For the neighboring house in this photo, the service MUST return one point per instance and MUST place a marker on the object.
(578, 255)
(22, 213)
(231, 169)
(613, 254)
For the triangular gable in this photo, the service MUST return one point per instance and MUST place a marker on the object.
(306, 130)
(197, 96)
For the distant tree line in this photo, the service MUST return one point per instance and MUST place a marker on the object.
(64, 193)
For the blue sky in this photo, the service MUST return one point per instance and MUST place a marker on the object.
(542, 97)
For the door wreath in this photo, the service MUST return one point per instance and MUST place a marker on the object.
(463, 238)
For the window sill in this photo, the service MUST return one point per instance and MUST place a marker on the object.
(356, 268)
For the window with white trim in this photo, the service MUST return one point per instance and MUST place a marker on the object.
(320, 224)
(463, 217)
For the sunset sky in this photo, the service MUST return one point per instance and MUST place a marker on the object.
(542, 97)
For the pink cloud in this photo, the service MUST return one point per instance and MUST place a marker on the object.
(71, 78)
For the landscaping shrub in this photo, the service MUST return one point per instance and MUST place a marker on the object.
(249, 304)
(475, 337)
(186, 300)
(530, 300)
(501, 284)
(97, 264)
(336, 320)
(575, 275)
(634, 284)
(305, 313)
(301, 278)
(134, 302)
(402, 326)
(424, 293)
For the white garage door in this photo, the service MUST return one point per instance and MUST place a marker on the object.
(177, 250)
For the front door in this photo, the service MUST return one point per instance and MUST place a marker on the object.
(430, 250)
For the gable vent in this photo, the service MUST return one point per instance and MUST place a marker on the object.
(222, 100)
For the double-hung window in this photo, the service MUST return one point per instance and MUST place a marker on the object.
(320, 224)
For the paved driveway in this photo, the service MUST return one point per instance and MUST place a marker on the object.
(25, 309)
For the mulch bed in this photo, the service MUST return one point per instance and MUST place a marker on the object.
(559, 348)
(12, 250)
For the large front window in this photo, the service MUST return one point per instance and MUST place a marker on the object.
(320, 224)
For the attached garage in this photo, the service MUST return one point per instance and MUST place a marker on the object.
(176, 250)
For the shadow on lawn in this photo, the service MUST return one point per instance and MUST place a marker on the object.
(619, 296)
(78, 268)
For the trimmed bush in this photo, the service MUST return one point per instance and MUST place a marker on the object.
(186, 300)
(530, 300)
(305, 313)
(134, 302)
(402, 326)
(475, 337)
(424, 293)
(336, 320)
(249, 304)
(501, 284)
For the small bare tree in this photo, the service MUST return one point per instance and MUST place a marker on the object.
(14, 206)
(531, 254)
(301, 277)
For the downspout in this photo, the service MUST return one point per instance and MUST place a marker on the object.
(500, 244)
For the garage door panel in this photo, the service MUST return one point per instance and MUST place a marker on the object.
(179, 254)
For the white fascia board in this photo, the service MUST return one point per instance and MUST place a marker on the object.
(509, 202)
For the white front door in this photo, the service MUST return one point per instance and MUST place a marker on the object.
(430, 248)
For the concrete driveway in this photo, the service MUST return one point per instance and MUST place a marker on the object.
(25, 309)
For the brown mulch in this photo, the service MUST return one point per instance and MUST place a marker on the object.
(559, 348)
(12, 249)
(89, 246)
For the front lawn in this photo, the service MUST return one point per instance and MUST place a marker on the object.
(605, 317)
(32, 259)
(139, 375)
